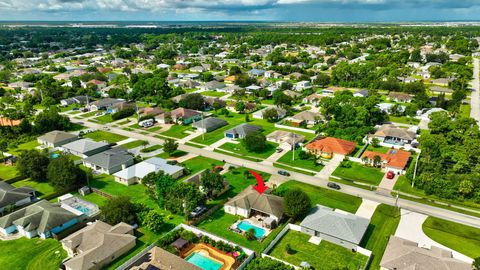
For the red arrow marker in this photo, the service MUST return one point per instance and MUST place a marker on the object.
(260, 187)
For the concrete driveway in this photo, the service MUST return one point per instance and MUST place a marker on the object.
(327, 171)
(277, 155)
(367, 208)
(410, 228)
(388, 184)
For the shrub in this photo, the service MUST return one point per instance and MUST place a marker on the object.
(250, 234)
(289, 249)
(123, 113)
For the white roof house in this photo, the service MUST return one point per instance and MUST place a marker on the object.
(137, 172)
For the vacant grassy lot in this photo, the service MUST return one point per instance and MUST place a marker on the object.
(360, 173)
(323, 196)
(101, 135)
(459, 237)
(31, 254)
(43, 188)
(7, 172)
(323, 256)
(383, 223)
(300, 163)
(178, 131)
(240, 149)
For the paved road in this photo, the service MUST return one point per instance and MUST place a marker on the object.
(321, 182)
(475, 97)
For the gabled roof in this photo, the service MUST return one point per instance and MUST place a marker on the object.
(84, 145)
(210, 122)
(332, 145)
(160, 259)
(41, 216)
(265, 203)
(154, 164)
(57, 136)
(10, 194)
(97, 242)
(110, 158)
(341, 225)
(244, 129)
(402, 254)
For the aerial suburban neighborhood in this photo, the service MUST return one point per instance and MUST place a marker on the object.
(253, 146)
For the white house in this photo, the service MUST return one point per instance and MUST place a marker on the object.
(137, 172)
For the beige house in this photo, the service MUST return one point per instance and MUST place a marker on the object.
(56, 138)
(285, 138)
(96, 245)
(158, 258)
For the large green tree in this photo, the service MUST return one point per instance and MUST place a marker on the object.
(33, 164)
(297, 203)
(118, 209)
(255, 142)
(211, 182)
(63, 174)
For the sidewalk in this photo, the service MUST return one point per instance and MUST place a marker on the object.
(327, 171)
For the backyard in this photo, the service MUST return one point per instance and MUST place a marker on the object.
(383, 224)
(379, 149)
(360, 173)
(459, 237)
(31, 254)
(24, 146)
(323, 196)
(101, 135)
(7, 172)
(323, 256)
(42, 188)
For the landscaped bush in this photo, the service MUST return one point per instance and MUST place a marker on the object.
(250, 234)
(150, 149)
(123, 113)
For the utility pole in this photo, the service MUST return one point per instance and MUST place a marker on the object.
(415, 170)
(203, 127)
(293, 146)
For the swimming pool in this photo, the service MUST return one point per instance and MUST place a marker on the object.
(82, 209)
(245, 226)
(54, 155)
(203, 261)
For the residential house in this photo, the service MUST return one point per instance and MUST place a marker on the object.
(97, 245)
(441, 81)
(11, 196)
(122, 106)
(394, 160)
(190, 84)
(252, 88)
(84, 148)
(56, 138)
(109, 161)
(260, 113)
(335, 226)
(99, 84)
(256, 72)
(158, 258)
(313, 99)
(154, 112)
(406, 79)
(74, 100)
(42, 219)
(329, 146)
(198, 69)
(180, 116)
(249, 107)
(292, 94)
(293, 76)
(210, 101)
(213, 86)
(361, 93)
(388, 107)
(402, 254)
(242, 130)
(134, 174)
(285, 138)
(399, 97)
(394, 135)
(7, 122)
(440, 90)
(301, 85)
(230, 79)
(197, 180)
(104, 103)
(307, 118)
(209, 124)
(250, 202)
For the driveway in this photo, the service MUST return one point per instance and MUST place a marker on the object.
(410, 228)
(388, 184)
(191, 136)
(367, 208)
(220, 143)
(327, 171)
(277, 155)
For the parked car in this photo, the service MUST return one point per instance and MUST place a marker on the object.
(279, 150)
(333, 185)
(172, 162)
(198, 211)
(390, 175)
(217, 168)
(75, 109)
(284, 173)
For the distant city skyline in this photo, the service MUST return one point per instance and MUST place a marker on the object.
(237, 10)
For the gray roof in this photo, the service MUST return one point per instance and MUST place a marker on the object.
(56, 136)
(107, 102)
(210, 123)
(153, 164)
(341, 225)
(265, 203)
(244, 129)
(402, 254)
(110, 158)
(41, 216)
(96, 243)
(10, 194)
(84, 145)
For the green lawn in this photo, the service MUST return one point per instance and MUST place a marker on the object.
(213, 93)
(104, 119)
(379, 149)
(383, 223)
(360, 173)
(323, 196)
(43, 188)
(297, 162)
(153, 129)
(133, 144)
(24, 146)
(151, 148)
(404, 120)
(465, 110)
(7, 172)
(31, 254)
(240, 149)
(93, 198)
(178, 131)
(459, 237)
(88, 114)
(199, 163)
(101, 135)
(323, 256)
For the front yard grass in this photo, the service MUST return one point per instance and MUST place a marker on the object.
(42, 188)
(383, 224)
(240, 149)
(104, 119)
(133, 144)
(199, 163)
(323, 256)
(459, 237)
(31, 254)
(178, 131)
(300, 163)
(213, 93)
(360, 173)
(101, 135)
(323, 196)
(7, 172)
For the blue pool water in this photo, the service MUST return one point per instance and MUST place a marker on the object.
(83, 209)
(203, 261)
(245, 226)
(54, 155)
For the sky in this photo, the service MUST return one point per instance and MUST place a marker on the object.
(237, 10)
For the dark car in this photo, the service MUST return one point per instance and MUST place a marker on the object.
(333, 185)
(198, 211)
(172, 162)
(284, 173)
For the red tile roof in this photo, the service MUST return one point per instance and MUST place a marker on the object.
(6, 122)
(332, 145)
(394, 157)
